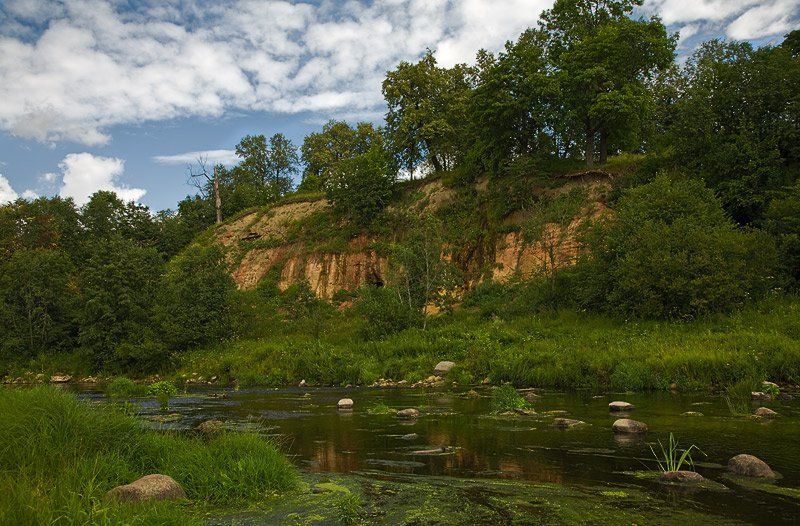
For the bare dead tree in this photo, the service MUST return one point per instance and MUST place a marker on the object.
(200, 178)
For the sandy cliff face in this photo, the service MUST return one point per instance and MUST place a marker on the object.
(257, 243)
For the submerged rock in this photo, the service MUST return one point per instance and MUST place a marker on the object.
(567, 423)
(408, 414)
(443, 368)
(616, 407)
(149, 487)
(345, 403)
(749, 466)
(681, 477)
(692, 414)
(627, 426)
(765, 412)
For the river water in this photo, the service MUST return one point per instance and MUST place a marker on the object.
(458, 438)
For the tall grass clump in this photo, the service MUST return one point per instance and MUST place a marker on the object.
(59, 456)
(671, 457)
(506, 398)
(123, 387)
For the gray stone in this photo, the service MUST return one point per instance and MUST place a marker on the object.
(765, 412)
(345, 403)
(749, 466)
(149, 487)
(408, 414)
(617, 407)
(627, 426)
(443, 368)
(681, 477)
(566, 423)
(211, 428)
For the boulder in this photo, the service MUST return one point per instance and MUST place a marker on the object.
(211, 428)
(770, 386)
(749, 466)
(758, 396)
(530, 396)
(60, 378)
(765, 412)
(627, 426)
(680, 477)
(345, 403)
(443, 368)
(617, 407)
(472, 393)
(408, 414)
(566, 423)
(302, 383)
(149, 487)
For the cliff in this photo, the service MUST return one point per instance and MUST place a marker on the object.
(287, 241)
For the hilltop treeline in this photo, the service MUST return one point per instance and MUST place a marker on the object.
(707, 217)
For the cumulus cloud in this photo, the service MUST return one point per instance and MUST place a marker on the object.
(70, 70)
(7, 193)
(83, 174)
(226, 157)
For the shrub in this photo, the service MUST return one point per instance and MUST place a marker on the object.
(162, 391)
(506, 398)
(124, 388)
(383, 313)
(670, 252)
(360, 187)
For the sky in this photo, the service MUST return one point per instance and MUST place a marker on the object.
(122, 94)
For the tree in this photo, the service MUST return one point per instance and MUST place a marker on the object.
(322, 151)
(194, 302)
(119, 283)
(204, 181)
(37, 303)
(670, 251)
(427, 108)
(267, 164)
(604, 61)
(421, 275)
(359, 188)
(510, 108)
(282, 164)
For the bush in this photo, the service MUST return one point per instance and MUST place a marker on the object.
(359, 188)
(124, 388)
(506, 398)
(671, 252)
(383, 313)
(162, 391)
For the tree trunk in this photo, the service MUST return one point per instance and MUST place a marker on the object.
(603, 146)
(589, 148)
(217, 198)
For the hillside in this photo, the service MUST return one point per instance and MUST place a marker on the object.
(279, 240)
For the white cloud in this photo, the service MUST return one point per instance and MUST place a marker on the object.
(30, 195)
(84, 174)
(226, 157)
(70, 70)
(7, 193)
(771, 18)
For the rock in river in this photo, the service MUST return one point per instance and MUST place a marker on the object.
(345, 403)
(759, 396)
(566, 423)
(680, 477)
(749, 466)
(627, 426)
(443, 368)
(408, 414)
(59, 378)
(617, 407)
(765, 412)
(149, 487)
(211, 428)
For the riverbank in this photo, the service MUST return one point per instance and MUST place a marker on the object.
(566, 350)
(59, 458)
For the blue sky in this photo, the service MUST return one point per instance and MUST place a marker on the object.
(119, 94)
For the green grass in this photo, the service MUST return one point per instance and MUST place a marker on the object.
(563, 350)
(59, 456)
(671, 457)
(123, 387)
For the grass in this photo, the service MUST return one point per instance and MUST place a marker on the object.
(671, 457)
(564, 350)
(59, 456)
(505, 398)
(162, 391)
(123, 387)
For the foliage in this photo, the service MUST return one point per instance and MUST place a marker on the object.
(195, 298)
(383, 312)
(60, 459)
(672, 458)
(505, 398)
(360, 187)
(671, 252)
(162, 391)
